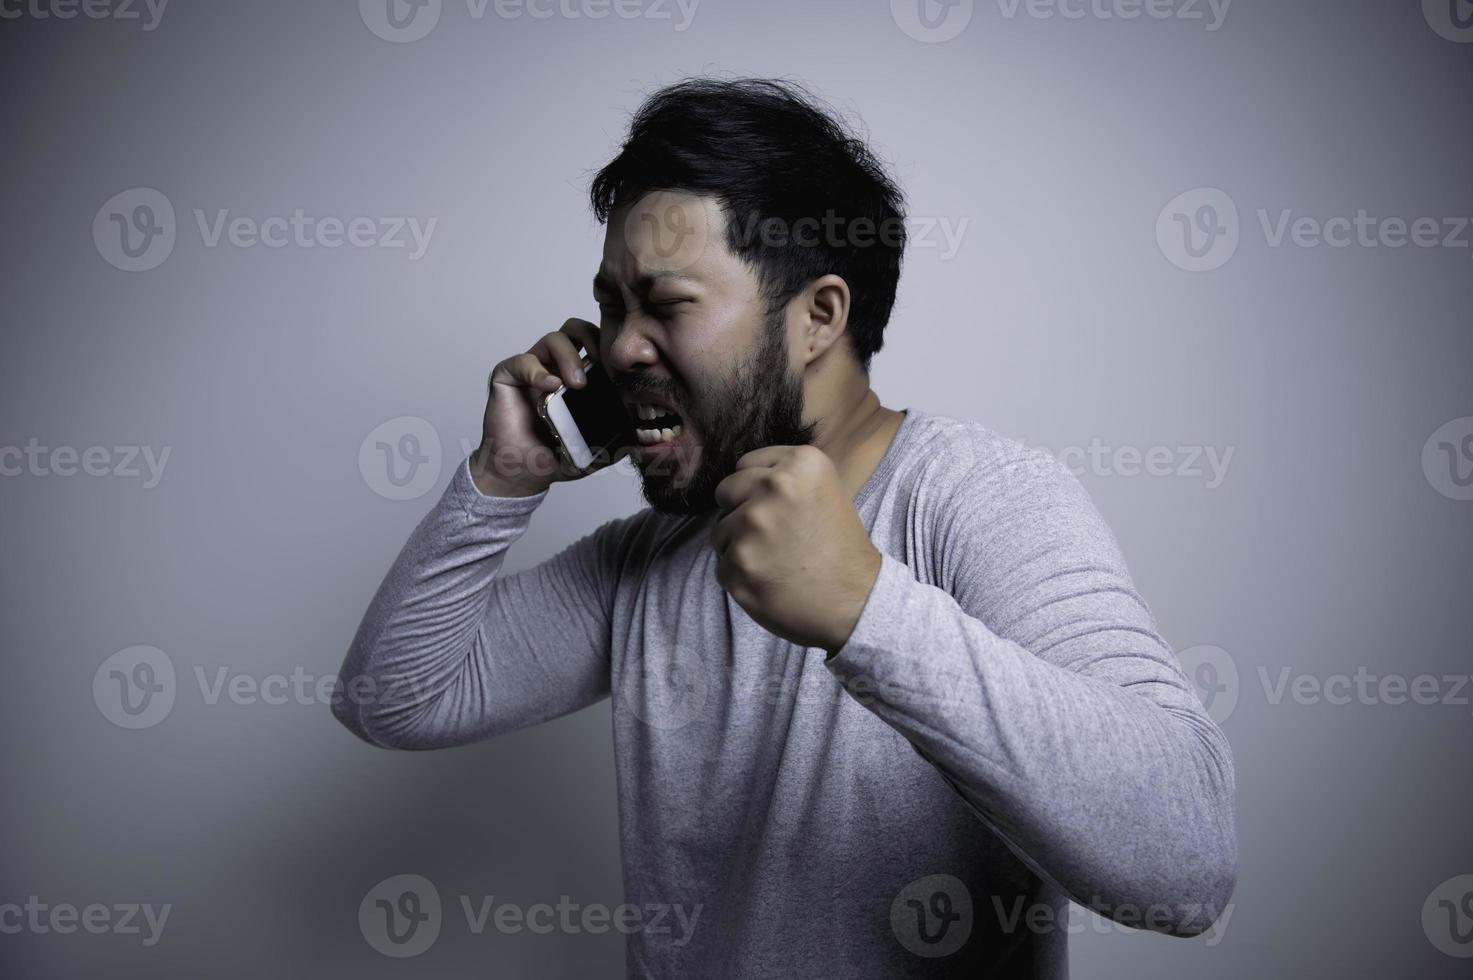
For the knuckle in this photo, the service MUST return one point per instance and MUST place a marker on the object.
(739, 557)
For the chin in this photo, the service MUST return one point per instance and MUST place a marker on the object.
(667, 498)
(679, 494)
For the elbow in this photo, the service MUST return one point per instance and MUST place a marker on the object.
(1206, 902)
(1207, 875)
(357, 713)
(351, 716)
(1187, 889)
(1194, 900)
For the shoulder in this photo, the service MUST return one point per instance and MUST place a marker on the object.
(964, 462)
(996, 505)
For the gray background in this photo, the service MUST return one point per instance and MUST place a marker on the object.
(1325, 548)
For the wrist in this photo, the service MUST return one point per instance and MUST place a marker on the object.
(491, 482)
(866, 574)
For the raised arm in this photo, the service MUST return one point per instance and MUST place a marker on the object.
(449, 651)
(1032, 676)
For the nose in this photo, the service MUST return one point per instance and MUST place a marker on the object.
(627, 348)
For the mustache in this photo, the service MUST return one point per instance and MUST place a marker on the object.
(665, 390)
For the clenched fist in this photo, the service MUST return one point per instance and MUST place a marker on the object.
(792, 550)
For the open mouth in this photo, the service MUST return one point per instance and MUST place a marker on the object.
(654, 424)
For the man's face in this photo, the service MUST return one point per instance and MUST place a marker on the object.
(685, 336)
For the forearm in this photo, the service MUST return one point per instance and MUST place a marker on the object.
(1112, 782)
(448, 652)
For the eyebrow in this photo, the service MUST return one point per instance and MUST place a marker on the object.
(643, 284)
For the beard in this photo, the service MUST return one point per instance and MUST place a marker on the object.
(757, 403)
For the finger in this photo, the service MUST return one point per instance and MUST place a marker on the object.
(525, 371)
(558, 352)
(766, 456)
(723, 532)
(584, 334)
(738, 487)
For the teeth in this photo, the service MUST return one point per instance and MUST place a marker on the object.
(647, 412)
(650, 436)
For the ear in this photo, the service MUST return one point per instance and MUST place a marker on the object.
(821, 312)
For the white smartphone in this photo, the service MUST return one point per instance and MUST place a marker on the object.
(589, 426)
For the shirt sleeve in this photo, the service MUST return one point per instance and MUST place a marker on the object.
(451, 652)
(1031, 675)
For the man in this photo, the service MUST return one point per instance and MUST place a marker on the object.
(885, 699)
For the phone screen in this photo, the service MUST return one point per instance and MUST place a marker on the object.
(600, 413)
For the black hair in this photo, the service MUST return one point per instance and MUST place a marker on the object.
(768, 151)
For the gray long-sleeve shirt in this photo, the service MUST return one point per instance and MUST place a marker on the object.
(1003, 732)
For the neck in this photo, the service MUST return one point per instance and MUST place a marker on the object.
(854, 430)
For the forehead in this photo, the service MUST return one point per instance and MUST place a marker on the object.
(669, 235)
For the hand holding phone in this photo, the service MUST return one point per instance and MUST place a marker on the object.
(520, 454)
(589, 426)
